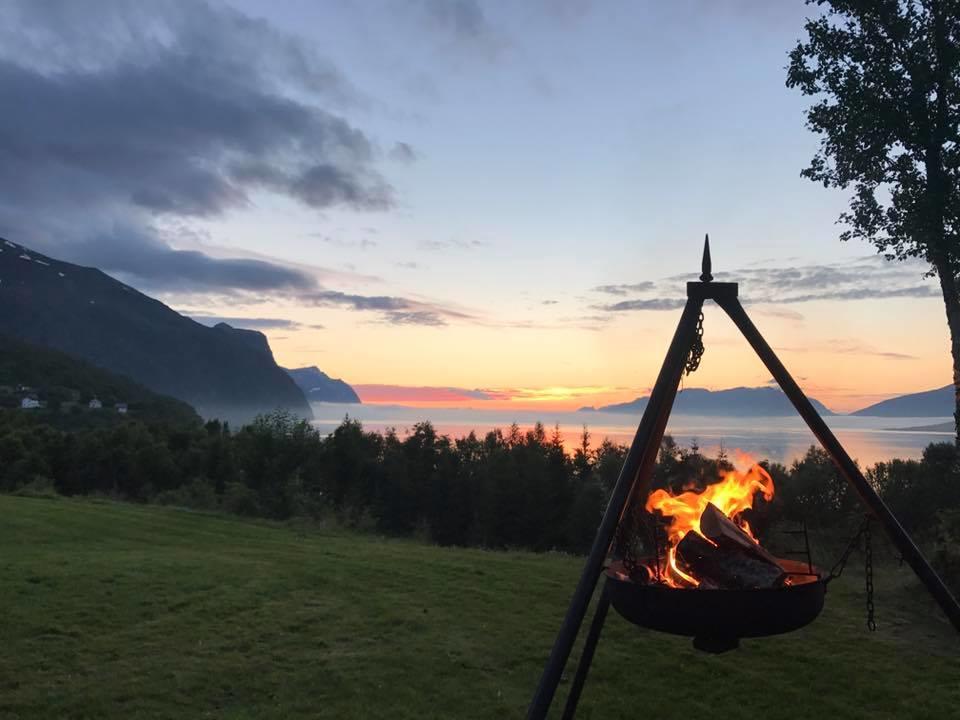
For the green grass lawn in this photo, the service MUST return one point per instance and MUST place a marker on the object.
(118, 611)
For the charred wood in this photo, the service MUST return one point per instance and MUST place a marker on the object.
(726, 534)
(729, 567)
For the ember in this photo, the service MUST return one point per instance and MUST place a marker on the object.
(709, 543)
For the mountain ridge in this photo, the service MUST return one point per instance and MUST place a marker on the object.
(738, 401)
(222, 372)
(938, 402)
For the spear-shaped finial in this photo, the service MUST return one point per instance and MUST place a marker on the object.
(705, 276)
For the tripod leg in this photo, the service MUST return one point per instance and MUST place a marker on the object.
(586, 657)
(911, 553)
(638, 465)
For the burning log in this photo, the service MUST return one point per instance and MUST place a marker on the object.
(730, 566)
(704, 547)
(726, 534)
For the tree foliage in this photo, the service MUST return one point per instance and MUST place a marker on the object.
(885, 76)
(519, 489)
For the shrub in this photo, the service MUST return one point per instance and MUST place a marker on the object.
(240, 500)
(815, 491)
(197, 495)
(39, 487)
(946, 553)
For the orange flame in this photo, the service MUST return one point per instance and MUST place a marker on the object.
(733, 494)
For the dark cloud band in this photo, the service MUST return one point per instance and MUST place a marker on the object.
(121, 115)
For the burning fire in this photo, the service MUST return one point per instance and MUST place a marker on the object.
(733, 494)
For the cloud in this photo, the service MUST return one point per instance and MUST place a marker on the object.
(866, 278)
(132, 254)
(464, 19)
(402, 152)
(357, 302)
(626, 289)
(419, 317)
(122, 116)
(361, 244)
(776, 312)
(917, 291)
(61, 36)
(437, 245)
(407, 394)
(844, 346)
(182, 271)
(654, 304)
(560, 393)
(426, 395)
(394, 310)
(252, 323)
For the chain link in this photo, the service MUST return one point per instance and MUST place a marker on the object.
(696, 349)
(837, 570)
(868, 573)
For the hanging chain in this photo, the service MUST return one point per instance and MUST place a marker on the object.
(696, 349)
(868, 573)
(837, 570)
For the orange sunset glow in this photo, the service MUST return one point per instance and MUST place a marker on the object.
(558, 398)
(847, 355)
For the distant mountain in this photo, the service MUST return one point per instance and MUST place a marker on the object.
(65, 385)
(737, 402)
(932, 403)
(221, 371)
(320, 387)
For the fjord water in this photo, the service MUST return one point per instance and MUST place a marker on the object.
(781, 439)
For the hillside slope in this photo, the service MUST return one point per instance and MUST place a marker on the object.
(62, 381)
(930, 403)
(121, 611)
(86, 313)
(737, 402)
(320, 387)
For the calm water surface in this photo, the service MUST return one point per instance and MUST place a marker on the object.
(781, 439)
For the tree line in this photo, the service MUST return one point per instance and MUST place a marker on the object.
(505, 489)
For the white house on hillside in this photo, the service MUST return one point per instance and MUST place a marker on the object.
(28, 403)
(95, 404)
(122, 408)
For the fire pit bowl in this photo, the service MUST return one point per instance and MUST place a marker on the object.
(717, 619)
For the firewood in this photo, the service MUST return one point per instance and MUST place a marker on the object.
(717, 527)
(730, 567)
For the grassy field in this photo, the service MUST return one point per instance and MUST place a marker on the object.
(116, 611)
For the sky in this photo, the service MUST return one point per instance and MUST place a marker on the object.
(456, 202)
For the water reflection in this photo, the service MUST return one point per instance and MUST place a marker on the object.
(781, 439)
